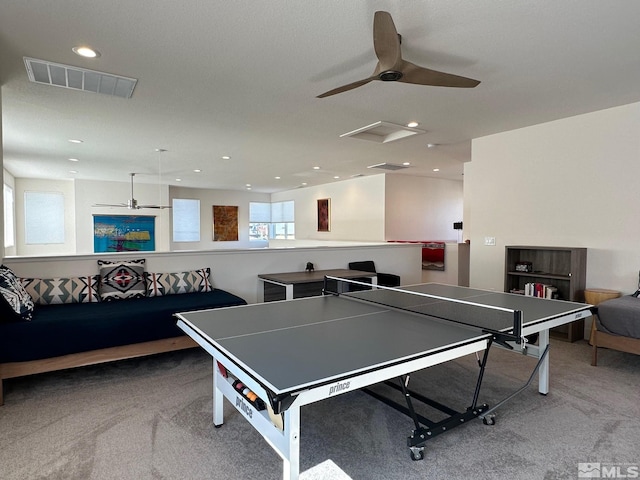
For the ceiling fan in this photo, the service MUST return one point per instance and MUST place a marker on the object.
(132, 203)
(392, 68)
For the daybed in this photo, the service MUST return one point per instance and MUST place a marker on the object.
(60, 336)
(616, 325)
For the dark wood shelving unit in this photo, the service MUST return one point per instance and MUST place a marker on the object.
(563, 267)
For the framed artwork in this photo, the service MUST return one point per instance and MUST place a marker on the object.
(225, 223)
(124, 233)
(433, 256)
(324, 215)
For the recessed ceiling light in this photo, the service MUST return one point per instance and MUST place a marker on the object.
(73, 171)
(406, 164)
(197, 170)
(412, 124)
(178, 179)
(304, 184)
(87, 52)
(226, 157)
(160, 150)
(316, 168)
(436, 169)
(73, 159)
(431, 145)
(277, 178)
(336, 177)
(248, 188)
(72, 140)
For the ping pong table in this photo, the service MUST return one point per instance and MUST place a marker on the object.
(271, 359)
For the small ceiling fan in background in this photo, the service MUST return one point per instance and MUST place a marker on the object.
(132, 203)
(392, 67)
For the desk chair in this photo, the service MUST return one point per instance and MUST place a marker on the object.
(384, 279)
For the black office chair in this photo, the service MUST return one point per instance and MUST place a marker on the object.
(384, 279)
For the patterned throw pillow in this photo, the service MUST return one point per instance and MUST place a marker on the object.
(49, 291)
(120, 280)
(159, 284)
(14, 294)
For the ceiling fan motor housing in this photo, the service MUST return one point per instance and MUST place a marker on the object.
(390, 76)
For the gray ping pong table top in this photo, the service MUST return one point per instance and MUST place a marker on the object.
(289, 345)
(296, 344)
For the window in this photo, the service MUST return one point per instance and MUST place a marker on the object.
(186, 220)
(9, 233)
(271, 220)
(43, 218)
(259, 220)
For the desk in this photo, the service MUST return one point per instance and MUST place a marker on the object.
(289, 285)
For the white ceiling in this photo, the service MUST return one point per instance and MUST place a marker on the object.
(240, 78)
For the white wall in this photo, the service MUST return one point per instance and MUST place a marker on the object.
(357, 209)
(381, 207)
(9, 180)
(422, 208)
(66, 188)
(3, 250)
(209, 198)
(572, 182)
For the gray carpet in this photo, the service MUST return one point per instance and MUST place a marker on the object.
(150, 418)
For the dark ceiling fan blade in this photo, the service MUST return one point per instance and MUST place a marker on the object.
(344, 88)
(412, 73)
(386, 41)
(159, 207)
(392, 68)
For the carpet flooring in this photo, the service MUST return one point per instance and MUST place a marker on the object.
(150, 418)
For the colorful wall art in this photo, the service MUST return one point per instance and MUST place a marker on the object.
(324, 215)
(123, 233)
(225, 223)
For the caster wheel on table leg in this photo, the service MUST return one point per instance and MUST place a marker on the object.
(417, 453)
(489, 420)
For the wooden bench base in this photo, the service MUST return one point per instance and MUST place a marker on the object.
(21, 369)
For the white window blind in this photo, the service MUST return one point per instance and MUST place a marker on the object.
(186, 220)
(282, 212)
(259, 212)
(44, 218)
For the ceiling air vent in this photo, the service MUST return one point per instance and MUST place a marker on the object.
(388, 166)
(76, 78)
(383, 132)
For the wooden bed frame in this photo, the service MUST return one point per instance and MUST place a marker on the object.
(614, 342)
(21, 369)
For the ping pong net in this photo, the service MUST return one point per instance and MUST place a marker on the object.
(504, 323)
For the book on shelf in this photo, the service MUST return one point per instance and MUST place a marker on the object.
(541, 290)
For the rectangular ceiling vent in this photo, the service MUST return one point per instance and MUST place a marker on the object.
(383, 132)
(76, 78)
(388, 166)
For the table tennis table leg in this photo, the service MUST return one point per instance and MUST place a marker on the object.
(291, 458)
(218, 414)
(543, 372)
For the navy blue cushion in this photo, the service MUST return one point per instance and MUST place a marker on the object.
(78, 327)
